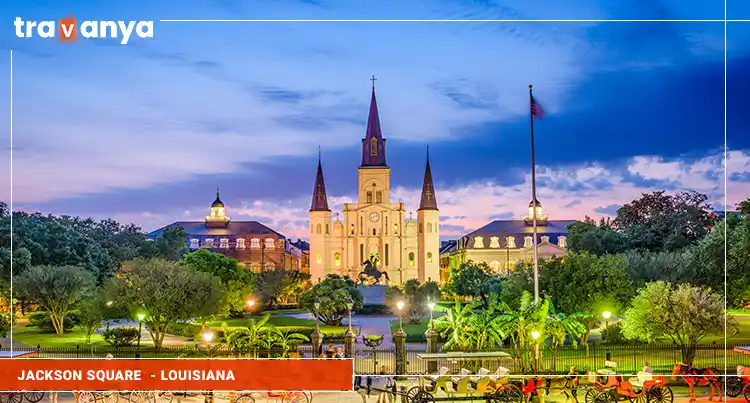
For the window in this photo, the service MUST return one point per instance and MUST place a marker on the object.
(510, 242)
(255, 267)
(411, 258)
(373, 146)
(386, 222)
(328, 229)
(509, 265)
(362, 252)
(240, 243)
(545, 239)
(374, 231)
(224, 243)
(478, 242)
(317, 258)
(361, 225)
(378, 197)
(369, 197)
(495, 266)
(395, 229)
(527, 242)
(270, 243)
(352, 227)
(561, 242)
(494, 242)
(429, 257)
(429, 227)
(386, 254)
(421, 228)
(255, 243)
(318, 228)
(270, 266)
(209, 243)
(194, 243)
(337, 259)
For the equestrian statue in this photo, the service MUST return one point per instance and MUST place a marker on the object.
(370, 270)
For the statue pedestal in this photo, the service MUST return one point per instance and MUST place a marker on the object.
(373, 294)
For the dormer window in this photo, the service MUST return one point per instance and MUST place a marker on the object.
(478, 242)
(270, 244)
(224, 243)
(209, 243)
(373, 147)
(240, 243)
(194, 243)
(494, 242)
(562, 241)
(527, 242)
(510, 242)
(545, 239)
(255, 243)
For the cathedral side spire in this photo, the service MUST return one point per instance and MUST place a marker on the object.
(428, 200)
(373, 145)
(320, 199)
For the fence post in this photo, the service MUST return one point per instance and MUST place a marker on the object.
(317, 343)
(432, 347)
(78, 350)
(350, 342)
(714, 344)
(400, 340)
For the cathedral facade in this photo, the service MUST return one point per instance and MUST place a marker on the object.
(375, 225)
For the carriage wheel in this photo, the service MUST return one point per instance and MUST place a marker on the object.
(110, 396)
(602, 397)
(747, 393)
(509, 394)
(86, 397)
(733, 386)
(295, 397)
(640, 398)
(164, 397)
(425, 397)
(33, 397)
(142, 397)
(660, 394)
(244, 399)
(591, 395)
(11, 397)
(412, 393)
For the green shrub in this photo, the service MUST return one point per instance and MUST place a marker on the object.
(374, 309)
(184, 329)
(121, 336)
(36, 317)
(43, 322)
(74, 316)
(613, 334)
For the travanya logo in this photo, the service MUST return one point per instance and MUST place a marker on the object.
(67, 29)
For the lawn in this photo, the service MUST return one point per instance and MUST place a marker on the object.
(31, 336)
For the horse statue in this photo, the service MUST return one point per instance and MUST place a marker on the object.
(382, 387)
(370, 270)
(698, 376)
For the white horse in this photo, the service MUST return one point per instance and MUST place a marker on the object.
(383, 387)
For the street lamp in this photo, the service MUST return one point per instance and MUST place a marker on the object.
(535, 335)
(350, 306)
(606, 315)
(208, 336)
(141, 316)
(431, 305)
(316, 308)
(400, 306)
(250, 304)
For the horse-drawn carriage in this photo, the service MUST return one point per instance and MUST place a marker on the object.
(607, 386)
(19, 397)
(740, 384)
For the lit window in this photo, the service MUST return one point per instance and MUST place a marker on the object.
(561, 242)
(241, 243)
(255, 243)
(224, 243)
(411, 258)
(337, 259)
(495, 266)
(429, 257)
(369, 197)
(378, 197)
(194, 243)
(270, 266)
(494, 242)
(478, 242)
(509, 265)
(352, 229)
(527, 242)
(255, 267)
(317, 258)
(270, 243)
(209, 243)
(545, 239)
(395, 229)
(510, 242)
(318, 228)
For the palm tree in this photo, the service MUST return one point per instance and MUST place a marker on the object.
(520, 324)
(287, 341)
(454, 326)
(558, 327)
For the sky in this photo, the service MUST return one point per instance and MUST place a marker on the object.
(145, 132)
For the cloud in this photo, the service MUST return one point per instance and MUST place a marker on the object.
(610, 210)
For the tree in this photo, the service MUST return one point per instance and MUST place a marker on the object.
(91, 314)
(236, 281)
(281, 287)
(166, 292)
(685, 314)
(4, 325)
(661, 222)
(471, 279)
(519, 324)
(333, 293)
(587, 236)
(168, 245)
(55, 288)
(415, 296)
(673, 267)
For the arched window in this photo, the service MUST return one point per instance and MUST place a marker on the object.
(328, 228)
(373, 146)
(337, 259)
(411, 258)
(386, 254)
(318, 228)
(421, 228)
(317, 258)
(429, 227)
(270, 266)
(429, 257)
(362, 252)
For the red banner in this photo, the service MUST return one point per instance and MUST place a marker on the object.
(176, 374)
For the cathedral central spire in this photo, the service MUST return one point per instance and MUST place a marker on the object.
(373, 145)
(320, 199)
(428, 200)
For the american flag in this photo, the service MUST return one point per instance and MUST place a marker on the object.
(537, 110)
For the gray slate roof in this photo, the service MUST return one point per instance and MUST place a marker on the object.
(198, 228)
(517, 229)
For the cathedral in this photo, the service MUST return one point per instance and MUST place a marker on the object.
(374, 225)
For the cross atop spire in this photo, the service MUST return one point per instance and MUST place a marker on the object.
(373, 145)
(428, 200)
(373, 79)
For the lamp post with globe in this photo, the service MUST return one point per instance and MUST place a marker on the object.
(535, 335)
(350, 339)
(316, 337)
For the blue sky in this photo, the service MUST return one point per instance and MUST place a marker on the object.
(144, 132)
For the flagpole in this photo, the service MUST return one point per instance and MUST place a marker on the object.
(533, 198)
